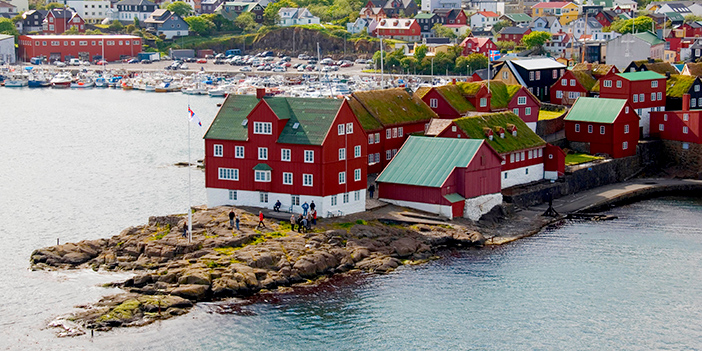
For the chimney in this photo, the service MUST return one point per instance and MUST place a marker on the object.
(260, 93)
(453, 81)
(686, 102)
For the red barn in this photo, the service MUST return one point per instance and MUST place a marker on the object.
(472, 45)
(521, 149)
(572, 85)
(446, 176)
(388, 116)
(645, 91)
(681, 126)
(58, 21)
(607, 125)
(554, 162)
(62, 47)
(262, 149)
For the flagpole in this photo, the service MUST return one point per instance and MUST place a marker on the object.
(190, 211)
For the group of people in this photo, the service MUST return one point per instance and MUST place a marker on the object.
(234, 218)
(304, 222)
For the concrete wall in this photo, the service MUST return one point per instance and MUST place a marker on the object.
(522, 175)
(552, 129)
(650, 157)
(445, 211)
(478, 206)
(686, 156)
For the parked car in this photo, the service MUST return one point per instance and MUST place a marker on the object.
(245, 69)
(134, 60)
(146, 61)
(278, 69)
(301, 68)
(346, 64)
(218, 61)
(360, 61)
(183, 66)
(101, 63)
(202, 60)
(303, 57)
(74, 62)
(59, 64)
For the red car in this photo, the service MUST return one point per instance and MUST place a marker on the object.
(202, 60)
(101, 63)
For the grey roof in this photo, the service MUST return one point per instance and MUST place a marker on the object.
(593, 23)
(136, 2)
(538, 63)
(678, 7)
(514, 30)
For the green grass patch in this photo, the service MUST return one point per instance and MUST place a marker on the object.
(370, 71)
(212, 264)
(362, 222)
(546, 115)
(345, 225)
(124, 311)
(276, 234)
(228, 251)
(476, 126)
(576, 159)
(161, 232)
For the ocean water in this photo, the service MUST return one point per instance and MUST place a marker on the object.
(86, 164)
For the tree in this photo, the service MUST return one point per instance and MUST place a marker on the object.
(221, 23)
(180, 8)
(471, 63)
(536, 39)
(442, 32)
(501, 24)
(200, 25)
(270, 14)
(643, 24)
(54, 5)
(505, 46)
(115, 26)
(692, 18)
(420, 52)
(136, 22)
(8, 27)
(246, 22)
(409, 63)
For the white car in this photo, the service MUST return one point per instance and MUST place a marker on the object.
(59, 64)
(245, 69)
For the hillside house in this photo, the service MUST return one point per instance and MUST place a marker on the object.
(58, 21)
(603, 126)
(131, 9)
(572, 85)
(447, 176)
(292, 16)
(516, 19)
(634, 47)
(677, 86)
(645, 92)
(388, 117)
(566, 12)
(167, 23)
(514, 34)
(682, 126)
(262, 149)
(482, 19)
(537, 75)
(428, 6)
(232, 9)
(472, 45)
(406, 29)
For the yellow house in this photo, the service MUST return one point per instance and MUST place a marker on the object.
(565, 11)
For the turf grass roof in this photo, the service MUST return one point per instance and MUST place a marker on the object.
(475, 126)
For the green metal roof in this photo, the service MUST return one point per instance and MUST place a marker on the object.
(308, 120)
(645, 75)
(475, 127)
(596, 110)
(392, 106)
(518, 17)
(425, 161)
(649, 38)
(453, 198)
(228, 124)
(674, 16)
(424, 16)
(262, 167)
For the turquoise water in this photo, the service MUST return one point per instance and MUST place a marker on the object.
(86, 164)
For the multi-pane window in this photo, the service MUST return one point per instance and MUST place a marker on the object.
(218, 150)
(602, 129)
(564, 82)
(285, 154)
(262, 153)
(357, 151)
(626, 129)
(625, 145)
(309, 156)
(370, 138)
(295, 200)
(307, 180)
(349, 128)
(342, 154)
(262, 176)
(356, 195)
(572, 82)
(239, 151)
(661, 127)
(388, 154)
(233, 195)
(642, 98)
(577, 127)
(345, 198)
(370, 159)
(559, 94)
(228, 173)
(653, 96)
(635, 98)
(607, 83)
(527, 111)
(342, 177)
(685, 130)
(357, 174)
(394, 132)
(287, 178)
(619, 84)
(538, 75)
(263, 197)
(433, 103)
(400, 132)
(654, 84)
(388, 133)
(589, 128)
(660, 96)
(334, 200)
(483, 102)
(341, 130)
(515, 111)
(263, 128)
(377, 138)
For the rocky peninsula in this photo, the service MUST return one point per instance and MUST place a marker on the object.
(172, 273)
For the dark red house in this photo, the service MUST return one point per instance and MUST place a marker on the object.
(691, 29)
(58, 21)
(388, 116)
(472, 45)
(645, 91)
(447, 176)
(524, 104)
(262, 149)
(608, 126)
(572, 85)
(514, 34)
(85, 47)
(683, 126)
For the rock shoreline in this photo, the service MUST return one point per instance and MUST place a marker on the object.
(172, 274)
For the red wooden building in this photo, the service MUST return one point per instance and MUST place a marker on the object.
(524, 104)
(645, 91)
(388, 116)
(572, 85)
(521, 149)
(262, 149)
(514, 34)
(446, 176)
(63, 47)
(407, 29)
(60, 20)
(691, 29)
(472, 45)
(683, 126)
(607, 125)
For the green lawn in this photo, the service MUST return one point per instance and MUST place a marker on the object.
(576, 159)
(546, 115)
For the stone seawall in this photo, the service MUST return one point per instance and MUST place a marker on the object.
(656, 190)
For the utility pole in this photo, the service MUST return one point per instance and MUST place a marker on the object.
(382, 71)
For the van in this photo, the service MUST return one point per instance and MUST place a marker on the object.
(74, 62)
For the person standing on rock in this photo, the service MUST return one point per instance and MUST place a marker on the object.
(299, 224)
(314, 217)
(260, 220)
(312, 206)
(305, 207)
(185, 228)
(292, 222)
(238, 219)
(231, 219)
(371, 190)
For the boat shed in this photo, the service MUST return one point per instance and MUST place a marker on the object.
(447, 176)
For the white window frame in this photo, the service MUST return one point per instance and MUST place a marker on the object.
(265, 128)
(685, 129)
(607, 83)
(263, 197)
(307, 179)
(341, 129)
(635, 98)
(342, 154)
(521, 100)
(661, 127)
(602, 130)
(285, 155)
(309, 156)
(334, 200)
(345, 198)
(287, 178)
(626, 129)
(400, 132)
(527, 111)
(356, 174)
(377, 138)
(625, 145)
(233, 195)
(483, 102)
(559, 94)
(660, 96)
(263, 153)
(370, 139)
(642, 97)
(349, 128)
(394, 132)
(572, 82)
(342, 177)
(357, 151)
(577, 127)
(653, 96)
(388, 155)
(564, 82)
(434, 103)
(262, 176)
(238, 151)
(619, 84)
(654, 84)
(590, 128)
(228, 173)
(515, 111)
(218, 150)
(388, 133)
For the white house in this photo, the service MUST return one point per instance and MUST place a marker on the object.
(483, 18)
(674, 7)
(358, 26)
(131, 9)
(634, 47)
(7, 48)
(167, 23)
(21, 5)
(429, 6)
(290, 16)
(92, 11)
(579, 28)
(547, 24)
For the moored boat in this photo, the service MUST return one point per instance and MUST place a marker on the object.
(62, 80)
